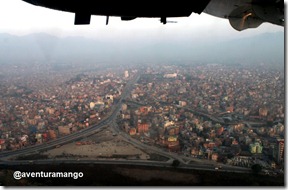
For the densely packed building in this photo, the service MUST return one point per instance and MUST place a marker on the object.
(211, 112)
(223, 113)
(38, 107)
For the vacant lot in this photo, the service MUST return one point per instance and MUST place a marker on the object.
(101, 145)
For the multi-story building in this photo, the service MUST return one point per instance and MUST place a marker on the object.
(143, 127)
(256, 148)
(279, 152)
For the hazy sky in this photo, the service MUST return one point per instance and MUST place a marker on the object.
(18, 17)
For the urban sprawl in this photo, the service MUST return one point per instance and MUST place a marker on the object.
(227, 114)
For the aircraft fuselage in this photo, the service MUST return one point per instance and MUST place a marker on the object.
(242, 14)
(125, 8)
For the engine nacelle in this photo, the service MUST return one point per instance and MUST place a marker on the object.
(252, 16)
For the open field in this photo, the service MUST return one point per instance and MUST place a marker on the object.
(104, 144)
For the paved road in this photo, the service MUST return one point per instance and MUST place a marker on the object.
(8, 164)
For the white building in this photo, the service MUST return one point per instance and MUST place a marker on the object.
(126, 74)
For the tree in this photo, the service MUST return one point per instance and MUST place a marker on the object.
(256, 168)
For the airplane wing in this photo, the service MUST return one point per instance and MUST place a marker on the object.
(242, 14)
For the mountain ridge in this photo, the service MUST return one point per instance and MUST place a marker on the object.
(42, 47)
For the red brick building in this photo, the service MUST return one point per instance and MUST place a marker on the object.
(142, 127)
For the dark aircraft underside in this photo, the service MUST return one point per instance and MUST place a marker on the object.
(242, 14)
(125, 9)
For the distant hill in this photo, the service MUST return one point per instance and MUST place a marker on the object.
(267, 48)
